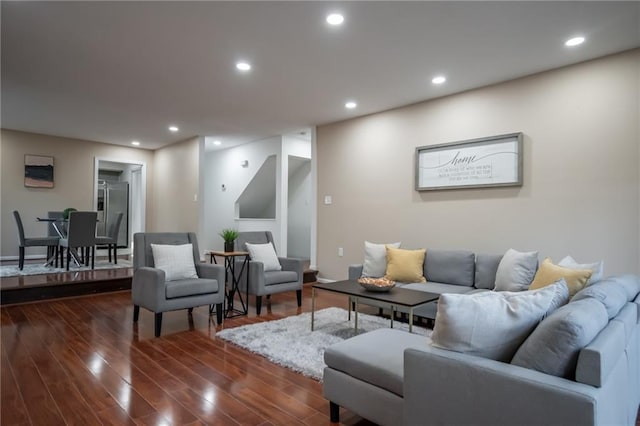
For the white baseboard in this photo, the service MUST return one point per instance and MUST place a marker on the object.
(27, 257)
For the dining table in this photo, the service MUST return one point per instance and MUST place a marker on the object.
(58, 226)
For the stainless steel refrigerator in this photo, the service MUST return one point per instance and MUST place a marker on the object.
(113, 198)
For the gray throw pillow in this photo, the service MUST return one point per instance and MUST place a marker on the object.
(375, 259)
(493, 324)
(553, 347)
(516, 270)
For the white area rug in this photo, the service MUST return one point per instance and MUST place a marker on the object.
(38, 268)
(291, 343)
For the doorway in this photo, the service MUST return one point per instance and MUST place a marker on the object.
(118, 174)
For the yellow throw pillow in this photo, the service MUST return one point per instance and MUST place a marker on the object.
(405, 265)
(548, 273)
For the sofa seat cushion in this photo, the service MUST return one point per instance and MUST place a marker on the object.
(279, 277)
(376, 357)
(190, 287)
(439, 288)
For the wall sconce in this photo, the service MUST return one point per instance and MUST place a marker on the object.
(245, 163)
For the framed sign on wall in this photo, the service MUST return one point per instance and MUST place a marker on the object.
(477, 163)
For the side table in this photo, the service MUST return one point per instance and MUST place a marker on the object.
(230, 269)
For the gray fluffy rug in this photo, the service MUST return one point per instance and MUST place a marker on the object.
(291, 343)
(38, 268)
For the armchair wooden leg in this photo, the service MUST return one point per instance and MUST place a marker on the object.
(258, 304)
(115, 254)
(158, 323)
(190, 311)
(334, 412)
(219, 309)
(299, 297)
(136, 313)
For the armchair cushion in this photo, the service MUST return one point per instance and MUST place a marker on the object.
(175, 260)
(190, 287)
(278, 277)
(266, 254)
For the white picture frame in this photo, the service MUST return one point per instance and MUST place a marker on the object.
(493, 161)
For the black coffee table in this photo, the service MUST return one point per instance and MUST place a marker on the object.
(397, 296)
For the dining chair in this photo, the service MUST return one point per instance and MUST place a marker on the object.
(81, 234)
(50, 242)
(52, 232)
(111, 239)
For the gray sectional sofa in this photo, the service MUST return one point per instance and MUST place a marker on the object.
(393, 377)
(448, 271)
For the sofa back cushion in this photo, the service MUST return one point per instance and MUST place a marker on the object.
(493, 324)
(554, 345)
(455, 267)
(486, 268)
(609, 292)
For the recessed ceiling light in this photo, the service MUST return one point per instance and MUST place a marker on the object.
(438, 80)
(173, 128)
(136, 143)
(574, 41)
(243, 66)
(217, 143)
(350, 105)
(335, 19)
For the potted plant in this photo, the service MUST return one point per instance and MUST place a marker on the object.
(229, 236)
(65, 213)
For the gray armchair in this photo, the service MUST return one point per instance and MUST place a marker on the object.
(263, 283)
(150, 290)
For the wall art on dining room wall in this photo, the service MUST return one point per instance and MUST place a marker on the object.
(477, 163)
(38, 171)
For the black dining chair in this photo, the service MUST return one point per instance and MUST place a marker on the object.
(111, 239)
(81, 235)
(50, 242)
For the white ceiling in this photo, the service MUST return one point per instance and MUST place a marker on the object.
(118, 71)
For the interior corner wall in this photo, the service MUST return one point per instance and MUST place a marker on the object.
(74, 162)
(223, 167)
(176, 188)
(581, 190)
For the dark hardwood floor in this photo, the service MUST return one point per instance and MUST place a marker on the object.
(83, 361)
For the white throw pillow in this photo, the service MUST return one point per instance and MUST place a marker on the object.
(597, 268)
(516, 270)
(375, 259)
(175, 260)
(493, 324)
(266, 254)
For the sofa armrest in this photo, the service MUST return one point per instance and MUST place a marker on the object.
(148, 288)
(292, 264)
(355, 271)
(212, 271)
(445, 387)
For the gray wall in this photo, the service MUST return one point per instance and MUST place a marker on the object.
(581, 181)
